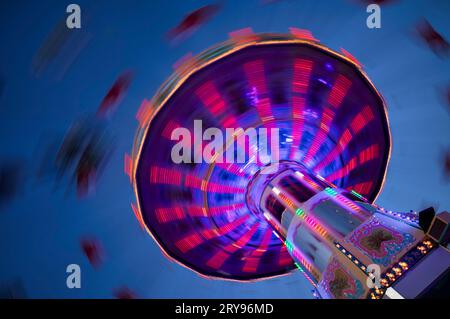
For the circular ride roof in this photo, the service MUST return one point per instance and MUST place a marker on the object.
(331, 119)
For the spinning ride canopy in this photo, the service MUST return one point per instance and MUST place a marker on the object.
(331, 119)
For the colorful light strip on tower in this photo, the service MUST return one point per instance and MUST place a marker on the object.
(393, 273)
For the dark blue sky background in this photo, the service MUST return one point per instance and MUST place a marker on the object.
(40, 230)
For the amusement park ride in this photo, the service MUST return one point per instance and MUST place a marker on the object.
(316, 212)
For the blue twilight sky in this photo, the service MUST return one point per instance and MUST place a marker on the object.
(40, 230)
